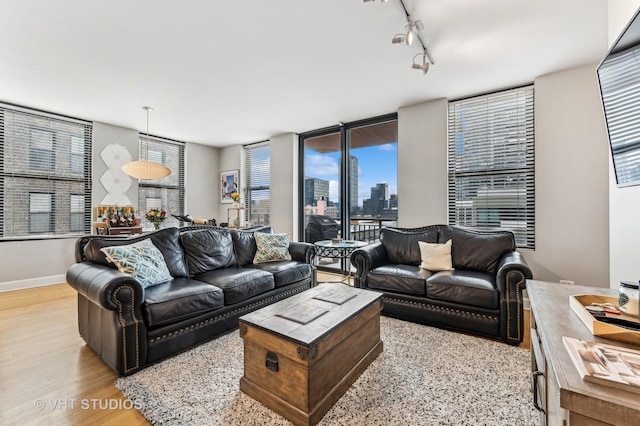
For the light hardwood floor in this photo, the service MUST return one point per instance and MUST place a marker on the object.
(47, 373)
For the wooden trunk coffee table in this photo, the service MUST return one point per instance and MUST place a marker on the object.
(301, 354)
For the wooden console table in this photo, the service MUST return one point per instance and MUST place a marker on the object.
(563, 397)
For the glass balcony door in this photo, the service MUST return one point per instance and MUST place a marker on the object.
(348, 183)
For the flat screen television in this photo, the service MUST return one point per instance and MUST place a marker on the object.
(619, 79)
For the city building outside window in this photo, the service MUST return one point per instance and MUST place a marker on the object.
(40, 208)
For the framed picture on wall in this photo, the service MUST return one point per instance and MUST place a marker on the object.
(228, 184)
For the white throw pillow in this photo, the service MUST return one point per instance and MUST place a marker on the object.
(435, 257)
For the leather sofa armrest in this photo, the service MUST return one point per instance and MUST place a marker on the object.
(511, 279)
(110, 314)
(302, 252)
(102, 284)
(365, 259)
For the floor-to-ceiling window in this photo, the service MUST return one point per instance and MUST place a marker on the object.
(348, 182)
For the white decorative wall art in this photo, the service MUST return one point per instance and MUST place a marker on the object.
(114, 180)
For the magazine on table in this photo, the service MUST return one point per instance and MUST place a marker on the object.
(605, 364)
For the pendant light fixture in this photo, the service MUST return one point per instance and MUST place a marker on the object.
(145, 169)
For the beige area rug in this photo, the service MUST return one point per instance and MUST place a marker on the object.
(424, 376)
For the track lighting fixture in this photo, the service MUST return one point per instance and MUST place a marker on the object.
(424, 66)
(413, 32)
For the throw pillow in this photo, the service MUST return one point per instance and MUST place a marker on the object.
(143, 260)
(271, 247)
(435, 257)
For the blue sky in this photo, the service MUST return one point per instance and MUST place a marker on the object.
(376, 164)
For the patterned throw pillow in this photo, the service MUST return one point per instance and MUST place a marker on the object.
(271, 247)
(143, 260)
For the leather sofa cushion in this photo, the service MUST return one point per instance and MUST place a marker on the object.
(239, 284)
(286, 272)
(207, 249)
(475, 250)
(166, 240)
(464, 287)
(402, 245)
(244, 244)
(398, 278)
(179, 299)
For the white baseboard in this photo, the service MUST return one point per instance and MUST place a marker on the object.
(32, 282)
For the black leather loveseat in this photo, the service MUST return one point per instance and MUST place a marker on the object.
(213, 282)
(481, 295)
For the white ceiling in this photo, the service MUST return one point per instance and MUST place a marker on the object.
(228, 72)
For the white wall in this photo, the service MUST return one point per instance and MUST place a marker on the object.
(202, 193)
(284, 184)
(624, 203)
(571, 180)
(422, 164)
(25, 264)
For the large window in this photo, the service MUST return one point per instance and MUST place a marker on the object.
(166, 193)
(491, 163)
(45, 174)
(258, 183)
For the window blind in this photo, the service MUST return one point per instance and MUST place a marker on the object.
(258, 183)
(45, 175)
(491, 163)
(166, 193)
(620, 86)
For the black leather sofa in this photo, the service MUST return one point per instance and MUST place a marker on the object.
(482, 295)
(213, 283)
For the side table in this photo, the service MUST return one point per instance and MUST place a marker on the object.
(559, 393)
(337, 250)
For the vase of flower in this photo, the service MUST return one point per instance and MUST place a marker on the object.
(156, 217)
(236, 200)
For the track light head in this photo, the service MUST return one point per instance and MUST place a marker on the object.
(398, 38)
(424, 66)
